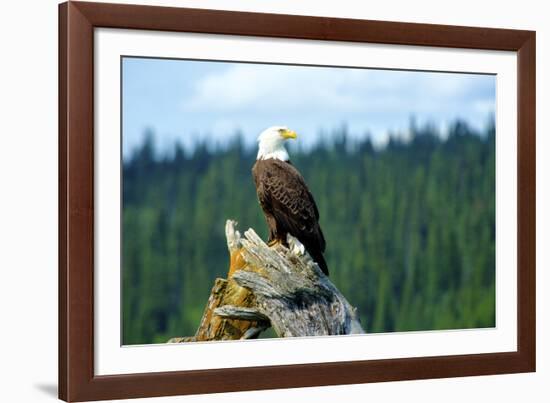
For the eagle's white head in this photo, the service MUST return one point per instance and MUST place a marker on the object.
(271, 143)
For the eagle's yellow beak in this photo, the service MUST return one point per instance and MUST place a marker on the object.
(289, 134)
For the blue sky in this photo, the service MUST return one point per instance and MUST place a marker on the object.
(195, 100)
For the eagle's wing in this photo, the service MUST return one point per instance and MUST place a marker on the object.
(283, 192)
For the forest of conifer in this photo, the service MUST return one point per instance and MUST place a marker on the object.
(410, 228)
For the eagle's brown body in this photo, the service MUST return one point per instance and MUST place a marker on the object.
(288, 206)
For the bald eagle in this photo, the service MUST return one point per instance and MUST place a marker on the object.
(286, 201)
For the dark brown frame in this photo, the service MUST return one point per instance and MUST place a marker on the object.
(77, 21)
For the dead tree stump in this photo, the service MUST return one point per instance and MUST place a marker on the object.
(272, 286)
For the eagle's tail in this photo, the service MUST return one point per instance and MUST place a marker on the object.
(318, 258)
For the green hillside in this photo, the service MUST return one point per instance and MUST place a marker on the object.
(410, 229)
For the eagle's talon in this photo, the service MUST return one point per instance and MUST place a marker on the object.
(273, 242)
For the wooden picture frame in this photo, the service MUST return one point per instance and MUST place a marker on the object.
(77, 21)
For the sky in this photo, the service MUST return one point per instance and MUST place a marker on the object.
(190, 101)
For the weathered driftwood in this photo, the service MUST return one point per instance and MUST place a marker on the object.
(226, 292)
(273, 286)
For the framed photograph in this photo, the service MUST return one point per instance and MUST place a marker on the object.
(254, 201)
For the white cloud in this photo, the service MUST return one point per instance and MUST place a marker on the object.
(251, 97)
(249, 87)
(253, 87)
